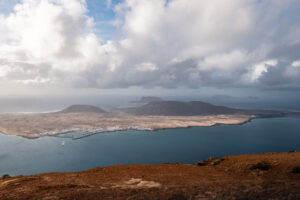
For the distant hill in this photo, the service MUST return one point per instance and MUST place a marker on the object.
(82, 108)
(173, 108)
(178, 108)
(147, 99)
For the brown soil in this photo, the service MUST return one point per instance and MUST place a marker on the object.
(260, 176)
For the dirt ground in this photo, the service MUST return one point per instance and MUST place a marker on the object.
(259, 176)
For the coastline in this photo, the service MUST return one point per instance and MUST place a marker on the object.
(189, 121)
(114, 126)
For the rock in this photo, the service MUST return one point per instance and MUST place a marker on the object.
(261, 166)
(210, 162)
(296, 170)
(201, 163)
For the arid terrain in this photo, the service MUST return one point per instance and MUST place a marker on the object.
(38, 125)
(260, 176)
(152, 116)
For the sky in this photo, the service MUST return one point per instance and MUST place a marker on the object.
(230, 47)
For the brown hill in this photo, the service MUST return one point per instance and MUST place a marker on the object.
(193, 108)
(259, 176)
(83, 108)
(172, 108)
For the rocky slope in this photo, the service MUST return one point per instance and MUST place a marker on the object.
(260, 176)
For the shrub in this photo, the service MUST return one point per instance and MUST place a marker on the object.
(296, 170)
(5, 176)
(261, 166)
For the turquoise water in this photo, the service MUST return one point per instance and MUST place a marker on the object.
(25, 156)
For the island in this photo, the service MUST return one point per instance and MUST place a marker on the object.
(152, 116)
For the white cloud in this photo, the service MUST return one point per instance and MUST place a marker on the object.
(179, 43)
(261, 68)
(55, 32)
(146, 67)
(296, 63)
(225, 61)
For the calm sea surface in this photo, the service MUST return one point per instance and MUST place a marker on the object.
(25, 156)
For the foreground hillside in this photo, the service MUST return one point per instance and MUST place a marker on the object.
(261, 176)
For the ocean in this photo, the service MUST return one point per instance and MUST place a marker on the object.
(21, 156)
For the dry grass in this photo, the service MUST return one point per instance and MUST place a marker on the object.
(230, 179)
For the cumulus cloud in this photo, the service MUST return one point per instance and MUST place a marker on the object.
(261, 68)
(169, 44)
